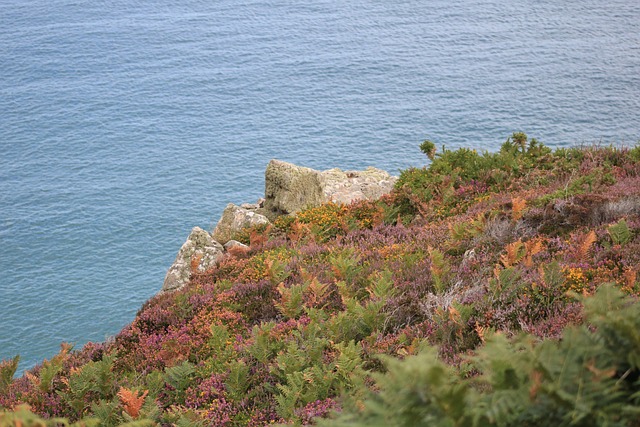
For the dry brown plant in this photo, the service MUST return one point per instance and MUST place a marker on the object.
(513, 254)
(517, 208)
(196, 259)
(585, 245)
(131, 401)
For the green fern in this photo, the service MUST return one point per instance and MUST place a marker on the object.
(48, 372)
(588, 378)
(277, 271)
(506, 284)
(291, 302)
(237, 382)
(179, 376)
(421, 391)
(22, 416)
(440, 268)
(382, 286)
(354, 323)
(264, 347)
(346, 267)
(108, 412)
(93, 382)
(348, 365)
(620, 232)
(139, 423)
(290, 394)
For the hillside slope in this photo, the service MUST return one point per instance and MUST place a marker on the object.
(460, 260)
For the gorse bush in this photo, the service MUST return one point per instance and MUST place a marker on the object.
(454, 176)
(451, 293)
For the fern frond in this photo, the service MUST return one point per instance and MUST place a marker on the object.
(381, 285)
(179, 376)
(7, 370)
(237, 381)
(291, 300)
(316, 292)
(131, 401)
(531, 248)
(439, 267)
(514, 254)
(517, 208)
(585, 246)
(620, 232)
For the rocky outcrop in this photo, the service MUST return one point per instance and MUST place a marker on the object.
(290, 188)
(235, 218)
(348, 186)
(200, 247)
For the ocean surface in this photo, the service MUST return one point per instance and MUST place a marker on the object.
(123, 124)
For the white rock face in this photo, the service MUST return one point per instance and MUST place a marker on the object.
(235, 218)
(347, 186)
(200, 245)
(290, 188)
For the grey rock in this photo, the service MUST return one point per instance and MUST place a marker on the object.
(235, 218)
(290, 188)
(469, 255)
(200, 245)
(250, 206)
(348, 186)
(234, 243)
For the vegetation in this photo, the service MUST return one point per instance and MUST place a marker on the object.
(588, 378)
(487, 289)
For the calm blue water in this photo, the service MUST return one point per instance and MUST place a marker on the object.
(124, 123)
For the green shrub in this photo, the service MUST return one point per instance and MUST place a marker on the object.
(450, 170)
(429, 149)
(588, 378)
(7, 370)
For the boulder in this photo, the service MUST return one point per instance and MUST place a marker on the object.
(199, 246)
(235, 218)
(290, 188)
(234, 244)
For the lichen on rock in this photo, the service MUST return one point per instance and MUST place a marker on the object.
(234, 219)
(200, 247)
(290, 188)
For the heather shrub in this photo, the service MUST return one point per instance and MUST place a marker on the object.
(461, 258)
(256, 300)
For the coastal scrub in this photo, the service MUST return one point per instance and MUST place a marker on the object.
(506, 281)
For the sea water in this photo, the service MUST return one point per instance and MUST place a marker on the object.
(124, 123)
